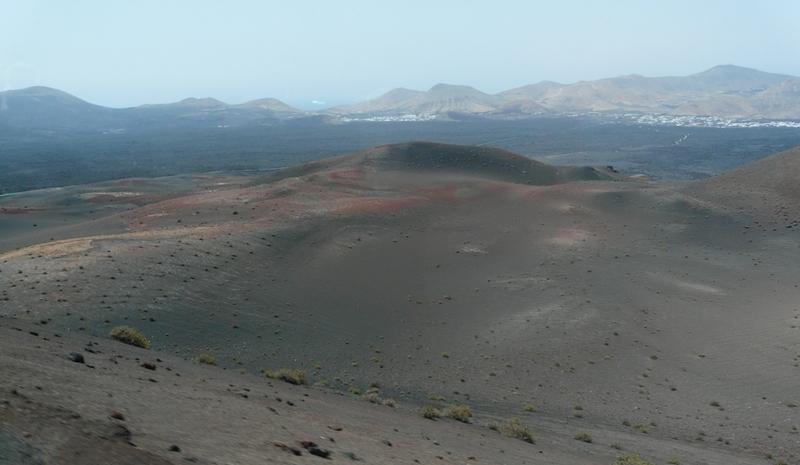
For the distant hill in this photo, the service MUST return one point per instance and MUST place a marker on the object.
(726, 91)
(47, 108)
(470, 160)
(51, 108)
(439, 99)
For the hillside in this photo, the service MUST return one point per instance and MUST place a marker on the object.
(767, 188)
(446, 275)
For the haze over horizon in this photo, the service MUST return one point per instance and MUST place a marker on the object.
(155, 53)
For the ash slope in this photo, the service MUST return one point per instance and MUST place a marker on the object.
(768, 188)
(607, 305)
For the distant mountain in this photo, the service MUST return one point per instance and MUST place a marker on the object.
(270, 104)
(439, 99)
(726, 91)
(52, 109)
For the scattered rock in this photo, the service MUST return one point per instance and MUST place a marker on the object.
(76, 357)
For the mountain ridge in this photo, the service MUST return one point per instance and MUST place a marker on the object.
(726, 91)
(723, 90)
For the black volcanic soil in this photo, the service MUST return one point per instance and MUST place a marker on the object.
(574, 300)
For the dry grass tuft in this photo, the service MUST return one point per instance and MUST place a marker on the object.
(515, 429)
(131, 336)
(460, 413)
(206, 359)
(290, 375)
(429, 412)
(631, 459)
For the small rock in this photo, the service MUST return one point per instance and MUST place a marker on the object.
(76, 357)
(174, 448)
(149, 366)
(117, 415)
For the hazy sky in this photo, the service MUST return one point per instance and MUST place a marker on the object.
(122, 53)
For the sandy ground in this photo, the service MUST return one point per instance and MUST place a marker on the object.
(661, 318)
(113, 409)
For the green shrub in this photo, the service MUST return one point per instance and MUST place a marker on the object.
(584, 437)
(290, 375)
(206, 359)
(460, 413)
(131, 336)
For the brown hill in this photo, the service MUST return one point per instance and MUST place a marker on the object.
(450, 159)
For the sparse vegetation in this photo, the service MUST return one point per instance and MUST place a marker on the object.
(631, 459)
(373, 395)
(206, 359)
(461, 413)
(515, 429)
(529, 408)
(131, 336)
(430, 412)
(290, 375)
(584, 437)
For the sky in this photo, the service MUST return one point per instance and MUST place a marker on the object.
(307, 53)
